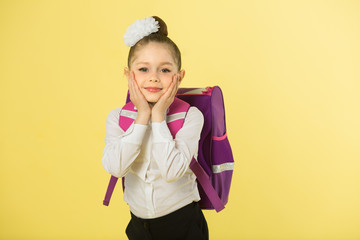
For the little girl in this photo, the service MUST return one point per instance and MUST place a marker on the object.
(160, 188)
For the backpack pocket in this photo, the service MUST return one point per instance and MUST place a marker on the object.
(222, 166)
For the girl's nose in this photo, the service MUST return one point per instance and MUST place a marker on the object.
(154, 77)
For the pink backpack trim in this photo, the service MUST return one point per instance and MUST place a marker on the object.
(219, 138)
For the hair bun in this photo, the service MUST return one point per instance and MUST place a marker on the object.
(163, 28)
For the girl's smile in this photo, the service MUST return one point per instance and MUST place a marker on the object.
(153, 89)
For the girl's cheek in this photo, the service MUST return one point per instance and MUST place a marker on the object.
(138, 75)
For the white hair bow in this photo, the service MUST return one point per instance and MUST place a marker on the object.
(139, 29)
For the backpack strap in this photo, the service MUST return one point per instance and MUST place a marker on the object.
(204, 181)
(127, 116)
(175, 119)
(110, 189)
(176, 114)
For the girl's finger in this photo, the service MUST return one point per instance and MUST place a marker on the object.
(129, 84)
(131, 90)
(136, 88)
(132, 87)
(132, 78)
(170, 90)
(132, 75)
(176, 85)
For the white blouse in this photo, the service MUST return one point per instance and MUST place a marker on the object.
(158, 180)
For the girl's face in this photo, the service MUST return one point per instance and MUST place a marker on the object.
(154, 67)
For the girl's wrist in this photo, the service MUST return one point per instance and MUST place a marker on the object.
(143, 118)
(157, 117)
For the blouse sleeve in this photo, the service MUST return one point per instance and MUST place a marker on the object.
(173, 156)
(121, 148)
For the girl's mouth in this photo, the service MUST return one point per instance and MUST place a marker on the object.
(153, 89)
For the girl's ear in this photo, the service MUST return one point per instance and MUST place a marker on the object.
(181, 75)
(127, 73)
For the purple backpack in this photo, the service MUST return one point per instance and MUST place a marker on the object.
(215, 163)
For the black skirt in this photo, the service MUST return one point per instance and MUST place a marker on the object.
(187, 223)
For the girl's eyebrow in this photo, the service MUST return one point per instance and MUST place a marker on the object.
(166, 63)
(138, 63)
(162, 63)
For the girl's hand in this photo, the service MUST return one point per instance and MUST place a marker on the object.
(138, 99)
(159, 109)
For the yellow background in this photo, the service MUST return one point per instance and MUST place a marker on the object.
(290, 74)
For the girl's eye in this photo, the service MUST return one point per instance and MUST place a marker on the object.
(165, 70)
(143, 69)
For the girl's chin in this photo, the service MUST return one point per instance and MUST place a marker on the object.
(152, 100)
